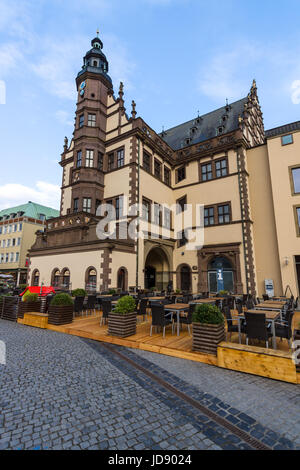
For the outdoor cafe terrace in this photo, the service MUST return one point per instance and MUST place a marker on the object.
(257, 338)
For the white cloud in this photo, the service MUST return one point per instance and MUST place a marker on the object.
(42, 193)
(295, 92)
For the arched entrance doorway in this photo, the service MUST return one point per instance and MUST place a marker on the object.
(184, 278)
(220, 275)
(157, 269)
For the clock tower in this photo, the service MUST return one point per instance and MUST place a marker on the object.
(83, 177)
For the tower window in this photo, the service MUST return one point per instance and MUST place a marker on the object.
(100, 161)
(92, 120)
(120, 158)
(87, 204)
(75, 204)
(79, 159)
(81, 120)
(95, 63)
(89, 158)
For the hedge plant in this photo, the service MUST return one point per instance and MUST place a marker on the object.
(112, 292)
(62, 299)
(125, 305)
(79, 293)
(208, 314)
(30, 297)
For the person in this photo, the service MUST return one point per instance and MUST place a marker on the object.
(170, 287)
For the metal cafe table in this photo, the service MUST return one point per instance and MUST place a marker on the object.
(176, 308)
(278, 306)
(271, 317)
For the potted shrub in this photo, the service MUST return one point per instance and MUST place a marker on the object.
(30, 303)
(208, 328)
(122, 321)
(223, 293)
(78, 293)
(61, 310)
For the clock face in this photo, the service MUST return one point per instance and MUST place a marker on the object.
(81, 92)
(82, 85)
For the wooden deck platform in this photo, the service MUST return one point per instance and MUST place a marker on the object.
(275, 364)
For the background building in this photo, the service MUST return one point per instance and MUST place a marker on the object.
(247, 179)
(18, 226)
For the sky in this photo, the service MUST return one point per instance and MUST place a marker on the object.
(175, 57)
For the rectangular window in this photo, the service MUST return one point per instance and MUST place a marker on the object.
(2, 257)
(11, 259)
(0, 230)
(157, 214)
(224, 214)
(4, 229)
(182, 203)
(182, 239)
(76, 200)
(119, 207)
(146, 210)
(89, 158)
(120, 158)
(15, 227)
(92, 120)
(287, 139)
(6, 258)
(111, 161)
(81, 120)
(180, 174)
(167, 176)
(147, 162)
(209, 218)
(8, 242)
(79, 159)
(20, 227)
(100, 161)
(167, 218)
(298, 219)
(296, 180)
(87, 204)
(13, 242)
(221, 168)
(17, 257)
(19, 242)
(206, 172)
(157, 169)
(42, 217)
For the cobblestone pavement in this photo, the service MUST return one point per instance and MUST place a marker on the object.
(62, 392)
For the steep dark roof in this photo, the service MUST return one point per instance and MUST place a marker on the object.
(207, 127)
(294, 126)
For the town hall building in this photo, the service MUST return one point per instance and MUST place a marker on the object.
(248, 180)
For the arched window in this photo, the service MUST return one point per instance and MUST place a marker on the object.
(35, 279)
(122, 279)
(66, 278)
(91, 279)
(55, 278)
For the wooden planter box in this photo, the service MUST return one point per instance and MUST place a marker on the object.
(207, 337)
(297, 338)
(60, 314)
(25, 307)
(122, 325)
(9, 306)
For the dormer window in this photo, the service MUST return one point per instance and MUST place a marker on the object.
(224, 118)
(220, 130)
(188, 141)
(95, 63)
(193, 130)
